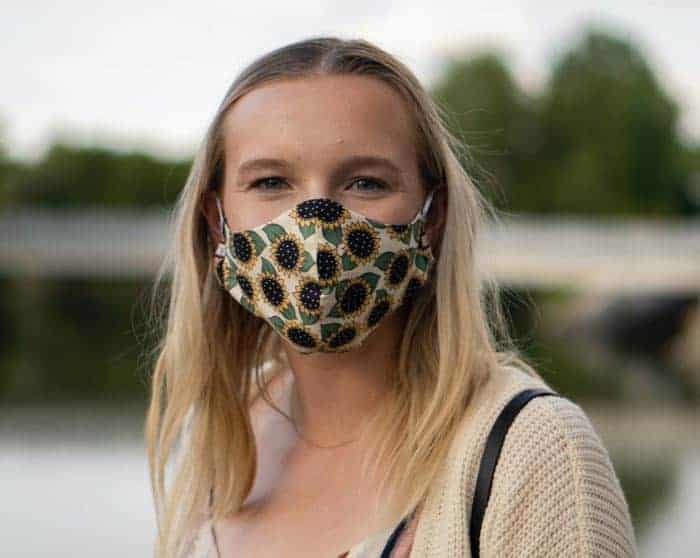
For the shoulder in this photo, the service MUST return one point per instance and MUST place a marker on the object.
(555, 491)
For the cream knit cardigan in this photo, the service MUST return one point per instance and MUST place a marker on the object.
(554, 494)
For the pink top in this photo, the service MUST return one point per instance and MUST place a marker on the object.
(373, 543)
(404, 543)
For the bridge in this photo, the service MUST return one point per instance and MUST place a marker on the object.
(586, 254)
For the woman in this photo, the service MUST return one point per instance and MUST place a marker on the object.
(328, 375)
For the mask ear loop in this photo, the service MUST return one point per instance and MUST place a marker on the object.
(424, 214)
(220, 248)
(426, 205)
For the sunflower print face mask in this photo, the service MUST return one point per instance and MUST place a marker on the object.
(322, 275)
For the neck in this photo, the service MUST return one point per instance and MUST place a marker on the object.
(333, 394)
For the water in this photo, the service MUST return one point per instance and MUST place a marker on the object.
(74, 482)
(675, 531)
(71, 500)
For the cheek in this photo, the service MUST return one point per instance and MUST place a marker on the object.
(246, 214)
(398, 208)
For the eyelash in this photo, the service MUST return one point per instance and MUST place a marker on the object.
(256, 184)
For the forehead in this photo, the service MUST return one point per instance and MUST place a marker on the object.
(319, 116)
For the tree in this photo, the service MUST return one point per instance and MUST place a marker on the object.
(611, 143)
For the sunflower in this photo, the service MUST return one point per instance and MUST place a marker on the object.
(342, 337)
(341, 340)
(319, 211)
(242, 248)
(381, 307)
(356, 297)
(248, 287)
(273, 290)
(288, 252)
(413, 287)
(328, 264)
(300, 335)
(221, 270)
(362, 241)
(308, 293)
(397, 271)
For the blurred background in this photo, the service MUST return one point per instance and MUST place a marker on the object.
(583, 127)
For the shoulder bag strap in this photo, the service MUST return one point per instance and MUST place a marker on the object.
(489, 459)
(211, 526)
(393, 538)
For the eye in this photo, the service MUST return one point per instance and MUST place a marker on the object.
(377, 184)
(262, 183)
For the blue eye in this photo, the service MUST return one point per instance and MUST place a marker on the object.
(258, 184)
(378, 183)
(276, 182)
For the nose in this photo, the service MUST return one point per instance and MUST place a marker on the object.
(318, 187)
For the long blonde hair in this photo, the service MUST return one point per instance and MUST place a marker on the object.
(214, 356)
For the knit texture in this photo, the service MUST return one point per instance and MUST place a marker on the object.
(554, 491)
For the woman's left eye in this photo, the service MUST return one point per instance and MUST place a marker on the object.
(379, 184)
(263, 183)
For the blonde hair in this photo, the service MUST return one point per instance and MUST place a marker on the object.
(214, 357)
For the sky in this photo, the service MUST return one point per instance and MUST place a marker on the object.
(149, 75)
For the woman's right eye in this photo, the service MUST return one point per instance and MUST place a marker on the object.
(262, 183)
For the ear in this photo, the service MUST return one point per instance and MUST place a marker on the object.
(211, 214)
(435, 220)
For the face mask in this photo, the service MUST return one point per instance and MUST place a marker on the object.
(322, 275)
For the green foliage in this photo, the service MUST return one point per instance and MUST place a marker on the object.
(611, 132)
(70, 339)
(557, 360)
(493, 116)
(70, 176)
(602, 137)
(649, 487)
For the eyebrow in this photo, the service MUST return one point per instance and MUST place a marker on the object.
(346, 165)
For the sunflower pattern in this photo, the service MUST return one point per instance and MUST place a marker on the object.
(288, 250)
(322, 275)
(243, 250)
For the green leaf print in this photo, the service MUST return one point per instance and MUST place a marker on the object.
(348, 262)
(371, 278)
(375, 223)
(277, 322)
(340, 288)
(383, 261)
(273, 230)
(232, 263)
(307, 230)
(308, 261)
(421, 262)
(308, 319)
(289, 313)
(328, 329)
(258, 241)
(268, 267)
(333, 234)
(335, 312)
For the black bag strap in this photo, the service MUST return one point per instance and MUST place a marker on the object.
(489, 459)
(211, 525)
(391, 543)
